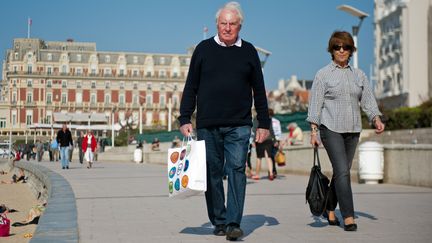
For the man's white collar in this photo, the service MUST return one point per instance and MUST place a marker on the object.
(237, 43)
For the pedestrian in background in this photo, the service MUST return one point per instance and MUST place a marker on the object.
(64, 139)
(79, 142)
(277, 131)
(338, 91)
(224, 77)
(88, 146)
(55, 150)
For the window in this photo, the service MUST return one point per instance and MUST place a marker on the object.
(63, 98)
(79, 71)
(49, 57)
(107, 84)
(135, 59)
(107, 58)
(14, 97)
(14, 82)
(107, 99)
(78, 98)
(49, 70)
(135, 99)
(93, 84)
(162, 101)
(29, 97)
(162, 74)
(122, 84)
(93, 72)
(162, 60)
(175, 87)
(135, 85)
(29, 119)
(149, 100)
(79, 58)
(148, 74)
(64, 69)
(16, 56)
(64, 83)
(121, 72)
(93, 99)
(78, 83)
(29, 83)
(48, 119)
(49, 98)
(121, 99)
(14, 116)
(15, 69)
(175, 75)
(107, 72)
(135, 73)
(29, 69)
(2, 122)
(49, 83)
(162, 86)
(149, 86)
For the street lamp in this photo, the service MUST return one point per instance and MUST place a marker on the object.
(356, 28)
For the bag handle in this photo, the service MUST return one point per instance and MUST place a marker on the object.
(316, 157)
(187, 138)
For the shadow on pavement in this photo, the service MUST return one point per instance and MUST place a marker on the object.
(249, 224)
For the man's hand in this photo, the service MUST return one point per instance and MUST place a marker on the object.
(186, 129)
(261, 135)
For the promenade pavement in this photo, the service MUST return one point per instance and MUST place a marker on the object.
(128, 202)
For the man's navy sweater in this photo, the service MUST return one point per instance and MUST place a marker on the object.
(221, 83)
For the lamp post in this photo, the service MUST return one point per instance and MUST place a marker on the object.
(112, 128)
(356, 28)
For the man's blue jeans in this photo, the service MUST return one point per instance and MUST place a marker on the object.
(64, 154)
(226, 150)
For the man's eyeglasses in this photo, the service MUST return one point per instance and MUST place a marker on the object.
(345, 47)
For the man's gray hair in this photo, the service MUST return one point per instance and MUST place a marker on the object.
(235, 6)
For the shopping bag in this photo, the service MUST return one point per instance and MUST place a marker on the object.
(280, 158)
(187, 170)
(4, 226)
(317, 188)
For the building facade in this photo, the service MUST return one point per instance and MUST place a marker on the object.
(41, 78)
(403, 52)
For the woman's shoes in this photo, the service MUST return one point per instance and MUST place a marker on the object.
(334, 222)
(350, 227)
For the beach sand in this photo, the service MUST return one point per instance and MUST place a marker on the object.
(19, 197)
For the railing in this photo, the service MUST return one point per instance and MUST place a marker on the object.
(118, 76)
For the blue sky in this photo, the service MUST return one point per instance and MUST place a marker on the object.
(296, 32)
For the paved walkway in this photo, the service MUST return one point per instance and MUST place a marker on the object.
(127, 202)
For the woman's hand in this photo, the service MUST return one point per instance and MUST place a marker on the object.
(379, 125)
(314, 140)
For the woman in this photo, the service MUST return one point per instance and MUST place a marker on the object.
(88, 147)
(338, 92)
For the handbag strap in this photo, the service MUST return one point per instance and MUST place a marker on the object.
(316, 157)
(187, 139)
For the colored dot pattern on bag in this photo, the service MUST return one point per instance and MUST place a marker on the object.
(174, 157)
(172, 172)
(177, 184)
(186, 166)
(185, 180)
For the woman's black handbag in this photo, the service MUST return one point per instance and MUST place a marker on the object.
(317, 188)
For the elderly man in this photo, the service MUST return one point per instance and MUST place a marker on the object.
(224, 76)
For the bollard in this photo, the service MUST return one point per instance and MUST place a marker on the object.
(371, 162)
